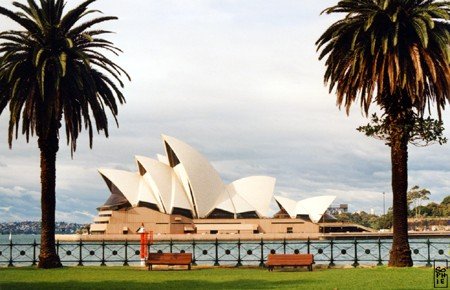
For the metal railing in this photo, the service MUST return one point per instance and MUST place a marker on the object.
(238, 253)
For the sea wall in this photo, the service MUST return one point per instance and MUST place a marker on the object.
(247, 237)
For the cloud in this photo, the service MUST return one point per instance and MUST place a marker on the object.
(74, 216)
(5, 209)
(18, 192)
(85, 213)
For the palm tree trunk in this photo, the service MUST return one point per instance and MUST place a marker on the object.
(49, 147)
(400, 254)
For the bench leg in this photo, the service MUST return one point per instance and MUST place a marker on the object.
(189, 267)
(310, 268)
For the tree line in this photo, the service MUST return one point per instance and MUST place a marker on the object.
(378, 222)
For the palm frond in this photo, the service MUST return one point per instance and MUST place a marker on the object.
(397, 50)
(50, 71)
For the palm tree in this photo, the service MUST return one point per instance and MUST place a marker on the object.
(394, 53)
(54, 73)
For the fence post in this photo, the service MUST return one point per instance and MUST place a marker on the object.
(170, 245)
(429, 255)
(34, 253)
(80, 259)
(380, 261)
(239, 253)
(125, 263)
(10, 264)
(331, 256)
(261, 262)
(284, 245)
(308, 246)
(355, 263)
(216, 262)
(193, 253)
(103, 254)
(57, 247)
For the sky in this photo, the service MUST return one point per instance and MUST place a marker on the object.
(241, 82)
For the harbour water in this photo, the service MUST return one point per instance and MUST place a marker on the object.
(20, 239)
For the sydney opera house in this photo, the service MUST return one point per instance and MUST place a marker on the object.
(182, 193)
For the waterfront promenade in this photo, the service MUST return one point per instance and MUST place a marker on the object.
(249, 237)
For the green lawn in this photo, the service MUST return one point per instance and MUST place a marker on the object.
(215, 278)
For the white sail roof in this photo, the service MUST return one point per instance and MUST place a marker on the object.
(164, 183)
(130, 185)
(288, 204)
(205, 182)
(180, 173)
(146, 194)
(232, 202)
(185, 179)
(224, 203)
(162, 159)
(255, 190)
(241, 205)
(314, 207)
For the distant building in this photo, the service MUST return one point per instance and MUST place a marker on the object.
(338, 209)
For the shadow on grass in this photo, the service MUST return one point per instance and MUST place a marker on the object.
(170, 284)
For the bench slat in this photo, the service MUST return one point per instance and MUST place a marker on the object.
(288, 263)
(292, 259)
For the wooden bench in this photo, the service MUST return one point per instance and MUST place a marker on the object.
(169, 259)
(293, 260)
